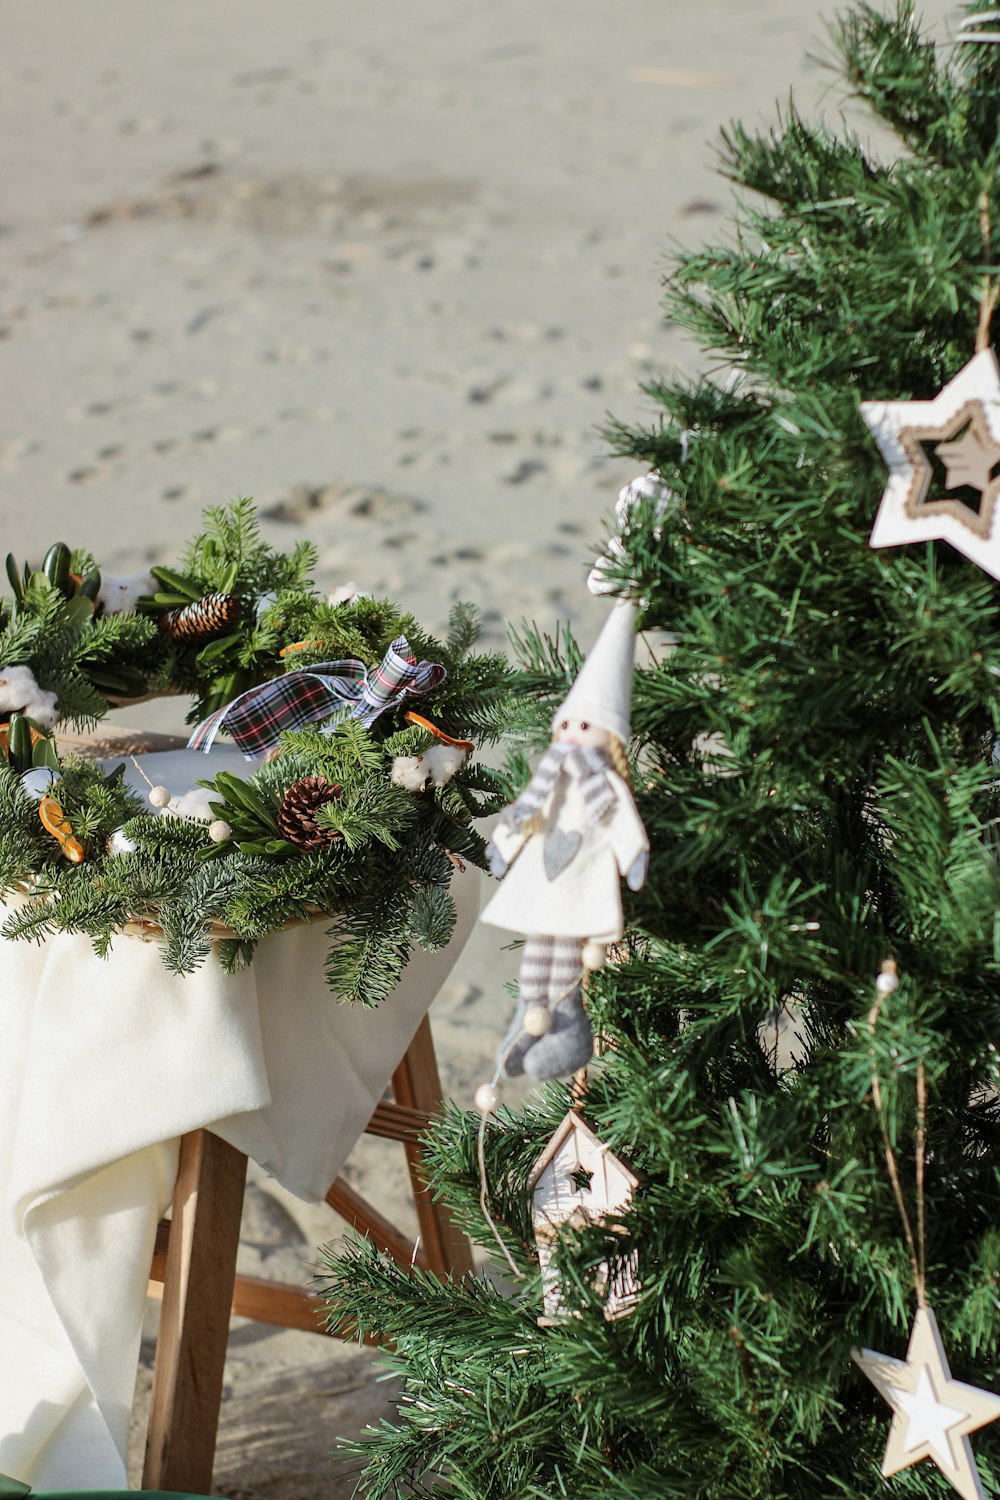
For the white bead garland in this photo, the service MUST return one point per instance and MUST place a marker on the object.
(159, 796)
(485, 1098)
(537, 1020)
(219, 831)
(594, 956)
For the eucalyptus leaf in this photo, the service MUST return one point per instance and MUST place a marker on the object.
(78, 612)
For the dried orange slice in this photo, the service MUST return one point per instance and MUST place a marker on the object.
(36, 734)
(438, 734)
(302, 646)
(55, 821)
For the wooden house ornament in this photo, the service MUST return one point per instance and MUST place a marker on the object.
(578, 1180)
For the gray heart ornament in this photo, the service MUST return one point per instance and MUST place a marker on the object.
(560, 849)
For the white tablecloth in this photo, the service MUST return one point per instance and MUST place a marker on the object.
(103, 1066)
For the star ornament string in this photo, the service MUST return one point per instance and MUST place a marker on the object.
(933, 1414)
(486, 1099)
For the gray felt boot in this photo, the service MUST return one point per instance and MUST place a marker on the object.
(510, 1053)
(568, 1046)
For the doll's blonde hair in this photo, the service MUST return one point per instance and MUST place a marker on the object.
(619, 759)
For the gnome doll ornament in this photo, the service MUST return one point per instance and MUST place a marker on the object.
(562, 849)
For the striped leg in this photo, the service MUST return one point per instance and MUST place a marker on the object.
(565, 968)
(533, 989)
(551, 972)
(569, 1044)
(537, 959)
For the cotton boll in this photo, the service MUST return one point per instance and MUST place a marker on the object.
(119, 596)
(436, 767)
(20, 692)
(443, 762)
(193, 804)
(408, 771)
(16, 684)
(43, 709)
(346, 594)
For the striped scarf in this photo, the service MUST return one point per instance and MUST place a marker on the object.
(586, 764)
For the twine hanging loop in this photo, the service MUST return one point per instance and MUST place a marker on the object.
(885, 984)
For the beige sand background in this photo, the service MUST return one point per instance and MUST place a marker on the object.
(386, 268)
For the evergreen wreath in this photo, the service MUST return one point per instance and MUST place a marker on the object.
(380, 856)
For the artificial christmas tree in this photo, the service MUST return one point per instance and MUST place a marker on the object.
(813, 766)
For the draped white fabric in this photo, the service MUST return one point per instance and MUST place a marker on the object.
(104, 1064)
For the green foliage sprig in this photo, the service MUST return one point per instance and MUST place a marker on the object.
(229, 557)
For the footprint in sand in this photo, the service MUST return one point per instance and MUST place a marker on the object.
(367, 502)
(528, 468)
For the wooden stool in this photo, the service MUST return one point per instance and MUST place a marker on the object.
(195, 1255)
(195, 1259)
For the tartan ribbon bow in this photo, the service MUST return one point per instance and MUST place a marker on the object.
(257, 718)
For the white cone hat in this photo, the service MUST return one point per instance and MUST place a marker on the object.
(602, 692)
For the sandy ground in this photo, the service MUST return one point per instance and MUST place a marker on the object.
(387, 269)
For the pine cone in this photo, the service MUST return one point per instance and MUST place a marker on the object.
(208, 616)
(299, 806)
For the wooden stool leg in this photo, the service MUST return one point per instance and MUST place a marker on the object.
(417, 1084)
(194, 1321)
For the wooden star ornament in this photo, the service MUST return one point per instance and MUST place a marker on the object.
(932, 1413)
(960, 430)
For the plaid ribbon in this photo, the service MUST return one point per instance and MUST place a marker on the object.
(259, 716)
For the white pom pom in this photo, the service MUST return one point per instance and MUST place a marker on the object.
(537, 1020)
(485, 1098)
(887, 982)
(159, 796)
(119, 844)
(594, 955)
(38, 780)
(219, 830)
